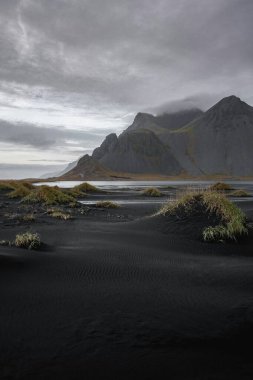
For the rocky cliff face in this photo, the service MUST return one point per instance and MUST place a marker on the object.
(106, 147)
(137, 151)
(140, 148)
(218, 142)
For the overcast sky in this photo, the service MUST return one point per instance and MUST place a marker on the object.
(72, 71)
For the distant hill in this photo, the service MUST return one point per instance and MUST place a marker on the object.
(190, 142)
(87, 168)
(70, 166)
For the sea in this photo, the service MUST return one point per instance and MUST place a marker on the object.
(134, 186)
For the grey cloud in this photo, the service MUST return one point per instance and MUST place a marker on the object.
(45, 138)
(17, 171)
(133, 52)
(60, 161)
(202, 101)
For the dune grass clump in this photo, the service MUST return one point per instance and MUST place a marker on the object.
(20, 191)
(152, 192)
(240, 194)
(86, 188)
(5, 243)
(16, 189)
(230, 220)
(74, 204)
(58, 214)
(48, 195)
(80, 191)
(107, 204)
(28, 240)
(28, 218)
(220, 186)
(6, 186)
(75, 193)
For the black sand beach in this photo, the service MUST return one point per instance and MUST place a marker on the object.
(115, 294)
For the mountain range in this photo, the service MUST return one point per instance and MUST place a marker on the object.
(190, 142)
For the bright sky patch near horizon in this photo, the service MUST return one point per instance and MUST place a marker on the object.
(72, 71)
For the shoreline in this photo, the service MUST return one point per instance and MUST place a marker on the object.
(136, 177)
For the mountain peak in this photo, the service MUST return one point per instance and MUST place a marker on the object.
(106, 146)
(84, 159)
(142, 117)
(230, 106)
(141, 120)
(231, 100)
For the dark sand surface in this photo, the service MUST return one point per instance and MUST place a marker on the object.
(116, 295)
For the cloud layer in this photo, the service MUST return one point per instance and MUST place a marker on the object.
(72, 71)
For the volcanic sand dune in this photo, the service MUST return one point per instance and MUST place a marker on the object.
(126, 300)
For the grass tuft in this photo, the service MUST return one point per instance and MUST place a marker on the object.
(75, 193)
(58, 214)
(86, 188)
(231, 221)
(5, 243)
(28, 218)
(6, 185)
(107, 204)
(152, 192)
(240, 193)
(18, 189)
(28, 240)
(220, 186)
(80, 191)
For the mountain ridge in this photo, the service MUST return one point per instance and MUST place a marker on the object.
(215, 142)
